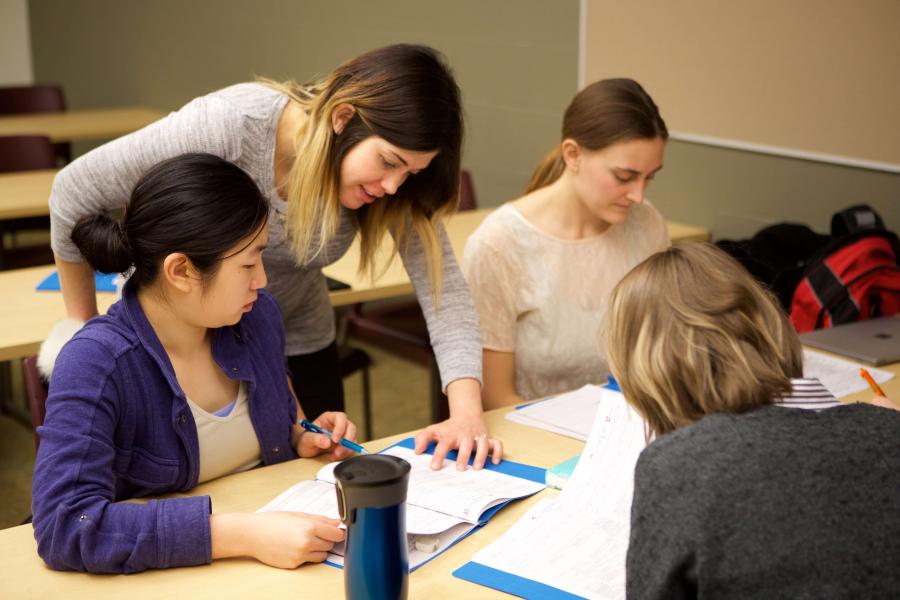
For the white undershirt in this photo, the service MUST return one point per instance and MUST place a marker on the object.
(228, 444)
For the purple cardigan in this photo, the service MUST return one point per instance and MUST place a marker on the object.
(118, 427)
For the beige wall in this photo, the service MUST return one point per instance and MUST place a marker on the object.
(806, 75)
(15, 47)
(735, 193)
(515, 60)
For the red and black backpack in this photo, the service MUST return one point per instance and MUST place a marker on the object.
(855, 276)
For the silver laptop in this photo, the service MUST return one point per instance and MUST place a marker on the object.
(873, 341)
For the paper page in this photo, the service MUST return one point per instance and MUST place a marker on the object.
(416, 557)
(312, 497)
(570, 414)
(585, 561)
(839, 376)
(319, 498)
(578, 542)
(464, 495)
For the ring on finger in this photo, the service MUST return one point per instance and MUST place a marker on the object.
(480, 436)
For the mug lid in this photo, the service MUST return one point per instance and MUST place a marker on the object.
(371, 470)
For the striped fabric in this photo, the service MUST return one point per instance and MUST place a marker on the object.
(810, 394)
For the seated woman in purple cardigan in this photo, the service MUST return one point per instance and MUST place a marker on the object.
(184, 380)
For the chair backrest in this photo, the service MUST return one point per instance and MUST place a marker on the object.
(467, 199)
(31, 99)
(17, 100)
(36, 390)
(26, 153)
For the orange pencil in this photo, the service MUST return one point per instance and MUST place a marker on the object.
(875, 387)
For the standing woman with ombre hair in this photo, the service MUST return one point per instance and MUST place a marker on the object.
(541, 267)
(372, 149)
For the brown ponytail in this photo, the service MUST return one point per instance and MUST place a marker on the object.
(548, 171)
(604, 113)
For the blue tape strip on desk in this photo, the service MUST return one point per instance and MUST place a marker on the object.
(508, 467)
(103, 282)
(507, 582)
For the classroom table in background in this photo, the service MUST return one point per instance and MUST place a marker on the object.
(29, 315)
(25, 193)
(393, 281)
(78, 125)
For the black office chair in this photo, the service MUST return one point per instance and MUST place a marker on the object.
(350, 360)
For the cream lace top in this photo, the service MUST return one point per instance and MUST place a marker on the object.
(544, 298)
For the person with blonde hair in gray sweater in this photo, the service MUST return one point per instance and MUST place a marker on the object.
(759, 483)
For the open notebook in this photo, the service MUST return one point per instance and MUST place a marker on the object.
(447, 503)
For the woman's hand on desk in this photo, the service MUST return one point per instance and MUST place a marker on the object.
(308, 444)
(465, 430)
(280, 539)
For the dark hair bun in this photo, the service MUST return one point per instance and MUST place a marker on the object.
(103, 243)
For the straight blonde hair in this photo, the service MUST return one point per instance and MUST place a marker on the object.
(405, 94)
(690, 333)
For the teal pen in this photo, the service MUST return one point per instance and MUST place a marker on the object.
(344, 442)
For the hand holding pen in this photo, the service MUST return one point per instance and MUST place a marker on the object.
(333, 432)
(339, 437)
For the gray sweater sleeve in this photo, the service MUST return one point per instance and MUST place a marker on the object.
(103, 179)
(453, 328)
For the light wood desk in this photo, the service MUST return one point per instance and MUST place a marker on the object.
(26, 193)
(28, 315)
(77, 125)
(23, 574)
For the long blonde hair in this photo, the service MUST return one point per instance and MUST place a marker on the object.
(405, 94)
(604, 113)
(690, 332)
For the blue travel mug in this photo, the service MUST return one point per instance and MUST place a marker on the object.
(371, 495)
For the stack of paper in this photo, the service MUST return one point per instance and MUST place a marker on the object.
(576, 544)
(570, 414)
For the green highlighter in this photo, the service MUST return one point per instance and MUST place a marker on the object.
(557, 476)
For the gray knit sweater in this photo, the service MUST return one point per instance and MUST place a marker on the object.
(777, 503)
(239, 124)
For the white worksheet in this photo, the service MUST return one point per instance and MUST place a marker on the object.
(839, 376)
(578, 542)
(570, 414)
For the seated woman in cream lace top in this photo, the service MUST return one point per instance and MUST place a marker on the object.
(541, 268)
